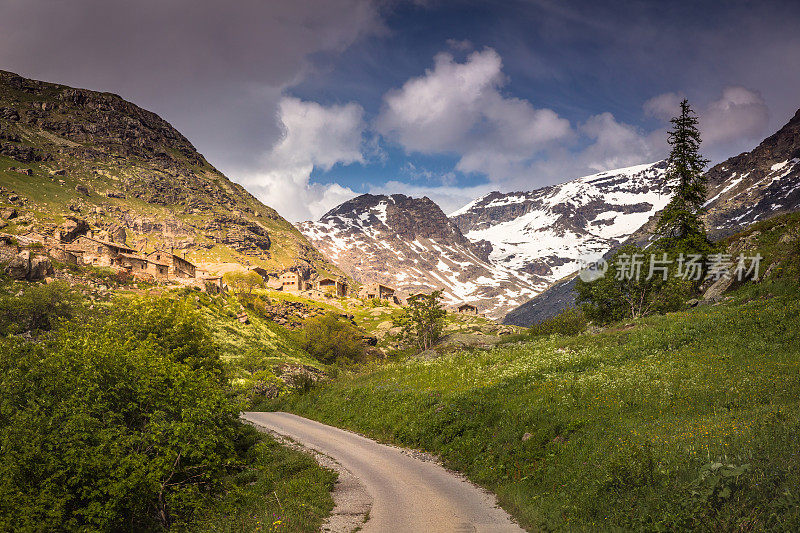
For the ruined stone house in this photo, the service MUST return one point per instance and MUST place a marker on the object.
(333, 286)
(467, 309)
(378, 291)
(179, 267)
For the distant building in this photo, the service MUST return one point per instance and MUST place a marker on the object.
(334, 286)
(97, 252)
(378, 291)
(293, 281)
(467, 309)
(179, 267)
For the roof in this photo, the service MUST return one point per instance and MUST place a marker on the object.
(145, 259)
(107, 243)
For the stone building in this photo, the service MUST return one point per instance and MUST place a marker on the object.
(179, 267)
(97, 252)
(467, 309)
(378, 291)
(334, 286)
(294, 281)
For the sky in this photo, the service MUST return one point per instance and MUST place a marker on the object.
(308, 103)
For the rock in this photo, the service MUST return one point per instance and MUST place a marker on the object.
(19, 266)
(59, 172)
(526, 436)
(83, 189)
(71, 228)
(40, 267)
(718, 287)
(427, 355)
(693, 302)
(8, 213)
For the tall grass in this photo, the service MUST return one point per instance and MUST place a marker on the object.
(685, 421)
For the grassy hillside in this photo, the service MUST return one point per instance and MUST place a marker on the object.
(684, 421)
(76, 152)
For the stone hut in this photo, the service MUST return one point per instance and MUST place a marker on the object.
(97, 252)
(293, 281)
(378, 291)
(334, 286)
(467, 309)
(135, 264)
(179, 267)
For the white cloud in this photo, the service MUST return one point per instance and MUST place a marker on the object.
(614, 145)
(727, 125)
(739, 114)
(664, 106)
(313, 136)
(458, 108)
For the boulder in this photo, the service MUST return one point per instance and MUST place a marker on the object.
(8, 213)
(718, 287)
(83, 189)
(19, 266)
(41, 267)
(71, 228)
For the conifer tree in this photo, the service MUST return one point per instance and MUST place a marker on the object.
(680, 222)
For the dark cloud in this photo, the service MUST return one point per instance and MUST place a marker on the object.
(215, 69)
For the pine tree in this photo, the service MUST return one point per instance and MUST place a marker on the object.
(680, 221)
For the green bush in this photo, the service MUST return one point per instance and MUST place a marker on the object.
(568, 323)
(618, 296)
(121, 423)
(38, 308)
(332, 340)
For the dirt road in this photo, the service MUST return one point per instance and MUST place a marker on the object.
(409, 492)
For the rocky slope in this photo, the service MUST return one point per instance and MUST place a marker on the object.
(742, 190)
(409, 243)
(96, 157)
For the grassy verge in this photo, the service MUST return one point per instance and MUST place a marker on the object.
(283, 490)
(683, 421)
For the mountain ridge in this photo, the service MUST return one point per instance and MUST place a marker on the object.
(410, 244)
(69, 152)
(743, 189)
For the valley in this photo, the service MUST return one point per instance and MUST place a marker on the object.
(147, 300)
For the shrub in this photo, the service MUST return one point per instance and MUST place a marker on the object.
(38, 308)
(119, 424)
(243, 282)
(568, 323)
(422, 321)
(615, 296)
(330, 340)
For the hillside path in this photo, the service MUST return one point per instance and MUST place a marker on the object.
(410, 492)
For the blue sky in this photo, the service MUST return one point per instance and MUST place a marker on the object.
(309, 103)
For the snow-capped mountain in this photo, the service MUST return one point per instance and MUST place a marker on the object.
(546, 232)
(744, 189)
(411, 245)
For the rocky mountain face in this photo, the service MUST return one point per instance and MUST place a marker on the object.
(411, 245)
(96, 157)
(744, 189)
(545, 232)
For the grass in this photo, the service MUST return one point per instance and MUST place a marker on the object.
(684, 421)
(283, 491)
